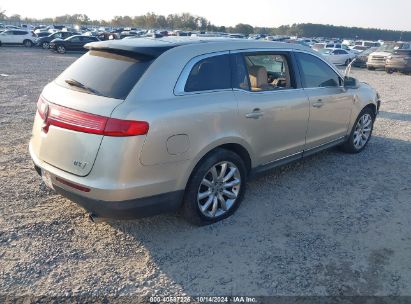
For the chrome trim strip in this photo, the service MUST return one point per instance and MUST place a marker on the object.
(260, 50)
(182, 79)
(294, 157)
(324, 146)
(276, 163)
(267, 92)
(283, 158)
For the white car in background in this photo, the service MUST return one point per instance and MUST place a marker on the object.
(320, 46)
(357, 49)
(23, 37)
(338, 56)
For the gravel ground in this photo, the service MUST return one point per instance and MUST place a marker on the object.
(334, 224)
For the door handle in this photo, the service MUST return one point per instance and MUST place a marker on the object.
(318, 104)
(256, 114)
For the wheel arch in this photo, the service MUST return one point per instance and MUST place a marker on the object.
(236, 145)
(373, 108)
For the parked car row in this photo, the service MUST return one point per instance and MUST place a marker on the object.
(391, 57)
(370, 54)
(44, 42)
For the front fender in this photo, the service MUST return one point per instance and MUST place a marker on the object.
(364, 96)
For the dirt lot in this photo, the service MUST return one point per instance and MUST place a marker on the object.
(334, 224)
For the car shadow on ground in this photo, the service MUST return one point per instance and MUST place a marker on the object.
(395, 116)
(322, 226)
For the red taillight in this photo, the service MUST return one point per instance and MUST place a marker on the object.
(118, 127)
(72, 185)
(66, 118)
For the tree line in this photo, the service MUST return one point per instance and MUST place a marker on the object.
(189, 22)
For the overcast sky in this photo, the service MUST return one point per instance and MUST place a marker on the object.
(390, 14)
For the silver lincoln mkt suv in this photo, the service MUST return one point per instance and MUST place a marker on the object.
(137, 127)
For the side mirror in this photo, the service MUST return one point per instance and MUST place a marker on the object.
(351, 83)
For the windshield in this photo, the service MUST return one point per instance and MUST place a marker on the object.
(273, 63)
(104, 73)
(368, 51)
(386, 48)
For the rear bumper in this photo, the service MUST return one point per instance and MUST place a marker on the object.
(128, 209)
(376, 65)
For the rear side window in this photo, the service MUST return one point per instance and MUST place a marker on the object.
(20, 33)
(212, 73)
(316, 73)
(104, 73)
(75, 39)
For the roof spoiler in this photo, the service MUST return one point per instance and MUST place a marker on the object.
(147, 52)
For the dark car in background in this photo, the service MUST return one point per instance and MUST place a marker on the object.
(399, 61)
(44, 42)
(73, 43)
(42, 34)
(108, 36)
(362, 58)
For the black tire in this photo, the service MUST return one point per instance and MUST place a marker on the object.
(349, 146)
(389, 71)
(45, 45)
(190, 208)
(370, 68)
(60, 49)
(27, 43)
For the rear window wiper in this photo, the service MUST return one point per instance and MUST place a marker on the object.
(78, 84)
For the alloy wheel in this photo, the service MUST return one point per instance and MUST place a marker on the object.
(219, 189)
(362, 131)
(45, 45)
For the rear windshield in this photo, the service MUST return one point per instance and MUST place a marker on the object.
(104, 73)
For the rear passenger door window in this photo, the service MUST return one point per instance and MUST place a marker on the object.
(268, 72)
(316, 73)
(75, 40)
(210, 74)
